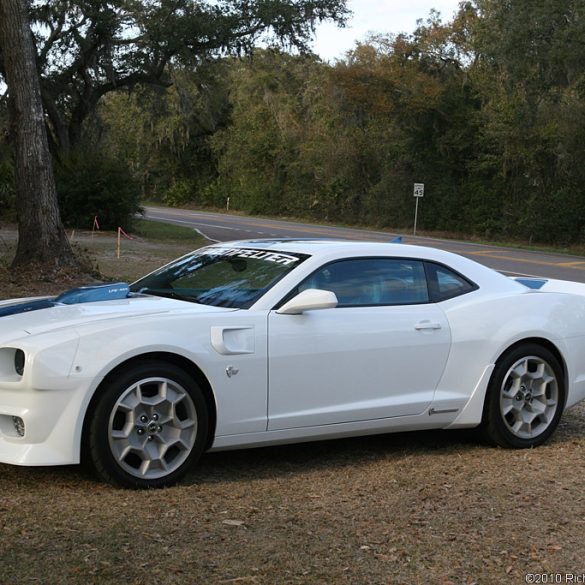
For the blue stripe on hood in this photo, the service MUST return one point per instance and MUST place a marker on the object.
(83, 294)
(26, 307)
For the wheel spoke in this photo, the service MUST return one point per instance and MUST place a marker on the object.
(122, 448)
(510, 405)
(513, 388)
(520, 370)
(123, 434)
(538, 373)
(186, 424)
(538, 407)
(132, 399)
(144, 467)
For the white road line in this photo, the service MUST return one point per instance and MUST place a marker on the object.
(206, 236)
(190, 222)
(172, 220)
(221, 227)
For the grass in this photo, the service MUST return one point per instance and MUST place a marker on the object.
(160, 232)
(152, 245)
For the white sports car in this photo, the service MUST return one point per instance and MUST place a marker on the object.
(253, 343)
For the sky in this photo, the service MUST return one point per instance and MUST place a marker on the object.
(378, 16)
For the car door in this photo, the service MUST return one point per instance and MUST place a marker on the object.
(380, 353)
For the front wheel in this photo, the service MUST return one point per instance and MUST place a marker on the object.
(148, 426)
(525, 398)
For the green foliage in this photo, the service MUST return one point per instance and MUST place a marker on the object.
(347, 142)
(531, 119)
(164, 135)
(487, 110)
(259, 152)
(181, 192)
(91, 185)
(90, 49)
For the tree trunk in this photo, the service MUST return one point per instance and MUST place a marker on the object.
(41, 236)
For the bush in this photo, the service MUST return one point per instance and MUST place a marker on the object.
(179, 193)
(97, 186)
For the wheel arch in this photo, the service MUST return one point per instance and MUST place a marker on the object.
(171, 358)
(547, 344)
(493, 428)
(472, 414)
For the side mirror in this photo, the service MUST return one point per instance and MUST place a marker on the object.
(309, 300)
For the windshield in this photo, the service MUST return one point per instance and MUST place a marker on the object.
(222, 277)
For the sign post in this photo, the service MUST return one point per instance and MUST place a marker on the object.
(419, 191)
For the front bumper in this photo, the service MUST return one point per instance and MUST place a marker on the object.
(53, 421)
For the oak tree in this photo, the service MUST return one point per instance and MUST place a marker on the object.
(41, 235)
(91, 48)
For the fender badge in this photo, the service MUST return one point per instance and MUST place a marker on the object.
(231, 371)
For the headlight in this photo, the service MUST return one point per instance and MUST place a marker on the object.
(19, 360)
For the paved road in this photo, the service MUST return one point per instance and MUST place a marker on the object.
(224, 227)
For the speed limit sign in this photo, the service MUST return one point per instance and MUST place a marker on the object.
(419, 189)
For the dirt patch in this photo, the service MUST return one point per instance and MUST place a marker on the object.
(431, 507)
(99, 250)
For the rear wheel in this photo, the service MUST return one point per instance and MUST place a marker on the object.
(148, 427)
(525, 398)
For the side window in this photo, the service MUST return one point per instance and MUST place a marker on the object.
(372, 281)
(445, 284)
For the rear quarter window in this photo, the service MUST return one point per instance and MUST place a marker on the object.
(445, 283)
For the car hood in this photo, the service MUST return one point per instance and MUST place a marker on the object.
(59, 316)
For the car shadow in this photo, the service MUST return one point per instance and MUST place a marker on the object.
(275, 461)
(269, 462)
(282, 460)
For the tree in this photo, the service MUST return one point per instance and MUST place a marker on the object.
(529, 74)
(41, 234)
(163, 134)
(259, 152)
(91, 48)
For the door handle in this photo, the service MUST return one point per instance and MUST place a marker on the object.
(427, 325)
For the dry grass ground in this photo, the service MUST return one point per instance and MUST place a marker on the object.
(433, 507)
(152, 245)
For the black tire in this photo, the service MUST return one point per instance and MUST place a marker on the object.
(148, 426)
(523, 397)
